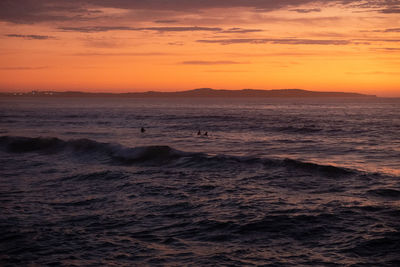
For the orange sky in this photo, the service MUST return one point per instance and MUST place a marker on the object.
(173, 45)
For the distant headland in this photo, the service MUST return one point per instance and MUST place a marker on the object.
(201, 92)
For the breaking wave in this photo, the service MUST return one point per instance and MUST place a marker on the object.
(157, 154)
(51, 145)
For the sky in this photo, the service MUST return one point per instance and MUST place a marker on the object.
(172, 45)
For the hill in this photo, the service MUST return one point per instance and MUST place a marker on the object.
(201, 92)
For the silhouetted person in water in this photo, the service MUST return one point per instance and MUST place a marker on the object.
(142, 130)
(206, 133)
(199, 132)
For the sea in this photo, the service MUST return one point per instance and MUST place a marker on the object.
(275, 182)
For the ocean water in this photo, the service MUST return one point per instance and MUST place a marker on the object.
(277, 182)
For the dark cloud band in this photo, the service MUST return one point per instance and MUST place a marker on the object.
(200, 62)
(289, 41)
(30, 36)
(158, 29)
(31, 11)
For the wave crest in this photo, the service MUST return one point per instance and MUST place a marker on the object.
(153, 154)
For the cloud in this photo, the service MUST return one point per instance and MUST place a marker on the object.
(176, 43)
(185, 5)
(180, 29)
(383, 6)
(30, 36)
(92, 29)
(240, 30)
(289, 53)
(392, 30)
(33, 11)
(200, 62)
(388, 49)
(289, 41)
(386, 6)
(394, 10)
(166, 21)
(303, 10)
(95, 54)
(383, 40)
(385, 30)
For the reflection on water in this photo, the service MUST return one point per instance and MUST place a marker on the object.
(354, 133)
(276, 182)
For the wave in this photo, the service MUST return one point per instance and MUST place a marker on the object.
(158, 155)
(385, 193)
(52, 145)
(299, 130)
(387, 246)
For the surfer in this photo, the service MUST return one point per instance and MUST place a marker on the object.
(142, 130)
(206, 134)
(199, 132)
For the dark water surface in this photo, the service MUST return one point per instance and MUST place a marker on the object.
(277, 182)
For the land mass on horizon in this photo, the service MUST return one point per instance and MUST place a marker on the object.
(200, 92)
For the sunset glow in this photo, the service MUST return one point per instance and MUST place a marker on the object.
(121, 46)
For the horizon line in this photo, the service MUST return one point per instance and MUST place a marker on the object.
(197, 92)
(176, 91)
